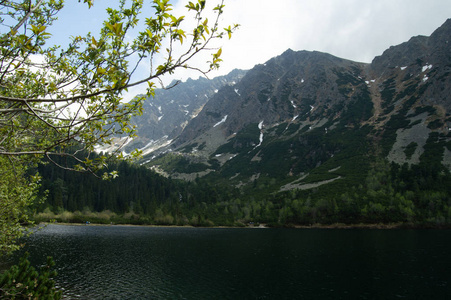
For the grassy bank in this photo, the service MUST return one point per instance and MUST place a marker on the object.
(108, 217)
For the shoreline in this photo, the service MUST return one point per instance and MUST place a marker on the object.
(265, 226)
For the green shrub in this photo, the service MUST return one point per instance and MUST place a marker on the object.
(22, 281)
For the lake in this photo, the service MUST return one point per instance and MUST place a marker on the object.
(127, 262)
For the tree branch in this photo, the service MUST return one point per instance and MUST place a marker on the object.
(27, 16)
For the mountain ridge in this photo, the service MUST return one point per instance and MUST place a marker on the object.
(306, 105)
(305, 138)
(166, 114)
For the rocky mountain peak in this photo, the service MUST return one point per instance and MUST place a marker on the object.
(166, 115)
(419, 49)
(401, 55)
(307, 118)
(297, 85)
(443, 33)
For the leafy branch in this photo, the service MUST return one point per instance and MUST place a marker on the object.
(52, 98)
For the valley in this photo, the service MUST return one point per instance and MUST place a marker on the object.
(303, 138)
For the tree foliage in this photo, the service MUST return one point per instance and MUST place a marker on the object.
(52, 97)
(388, 193)
(17, 194)
(23, 281)
(55, 97)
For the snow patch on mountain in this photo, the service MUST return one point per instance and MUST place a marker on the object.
(116, 144)
(426, 67)
(260, 126)
(155, 145)
(222, 121)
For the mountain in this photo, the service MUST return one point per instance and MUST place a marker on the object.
(166, 115)
(304, 119)
(304, 138)
(283, 89)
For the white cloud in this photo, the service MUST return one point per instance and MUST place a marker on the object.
(353, 29)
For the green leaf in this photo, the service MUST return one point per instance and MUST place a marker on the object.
(115, 28)
(229, 32)
(202, 4)
(89, 2)
(218, 54)
(219, 8)
(191, 6)
(37, 30)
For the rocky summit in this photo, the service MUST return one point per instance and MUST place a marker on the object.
(307, 120)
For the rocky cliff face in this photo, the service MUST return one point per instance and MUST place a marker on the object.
(296, 86)
(166, 115)
(304, 119)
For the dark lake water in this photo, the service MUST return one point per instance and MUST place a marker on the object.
(119, 262)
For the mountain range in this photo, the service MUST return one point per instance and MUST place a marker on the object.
(303, 138)
(166, 115)
(305, 119)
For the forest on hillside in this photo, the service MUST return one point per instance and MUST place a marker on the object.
(418, 195)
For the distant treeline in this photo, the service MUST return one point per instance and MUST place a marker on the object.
(390, 193)
(139, 194)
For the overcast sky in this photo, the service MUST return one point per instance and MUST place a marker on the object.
(357, 30)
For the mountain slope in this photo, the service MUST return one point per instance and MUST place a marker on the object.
(304, 138)
(304, 120)
(166, 115)
(281, 90)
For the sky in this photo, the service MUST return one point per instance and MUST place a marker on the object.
(357, 30)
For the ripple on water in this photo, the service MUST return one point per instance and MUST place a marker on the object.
(118, 262)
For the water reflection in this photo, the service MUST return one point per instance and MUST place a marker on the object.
(119, 262)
